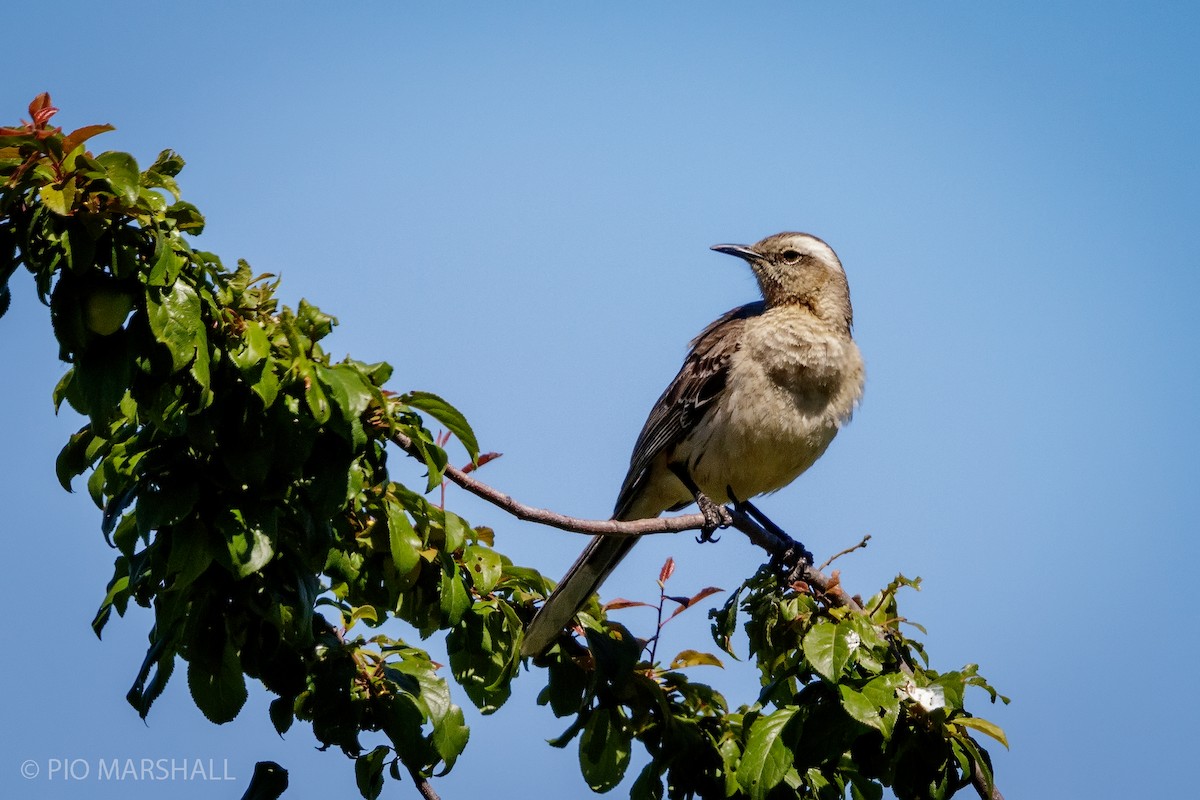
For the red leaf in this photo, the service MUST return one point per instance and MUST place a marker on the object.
(40, 109)
(623, 603)
(708, 591)
(78, 137)
(483, 459)
(687, 602)
(668, 569)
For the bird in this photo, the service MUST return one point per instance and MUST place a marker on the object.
(761, 394)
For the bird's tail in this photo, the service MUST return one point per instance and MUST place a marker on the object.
(582, 579)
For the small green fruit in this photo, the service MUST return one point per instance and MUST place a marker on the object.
(107, 310)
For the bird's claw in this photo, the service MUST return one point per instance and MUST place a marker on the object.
(715, 516)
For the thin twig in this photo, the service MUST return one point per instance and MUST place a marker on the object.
(847, 551)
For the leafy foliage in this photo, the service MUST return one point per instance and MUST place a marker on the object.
(242, 475)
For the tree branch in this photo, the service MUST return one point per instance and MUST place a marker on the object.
(544, 516)
(782, 548)
(778, 544)
(423, 785)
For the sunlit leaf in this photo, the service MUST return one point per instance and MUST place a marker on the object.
(446, 414)
(484, 566)
(694, 658)
(828, 647)
(121, 171)
(983, 726)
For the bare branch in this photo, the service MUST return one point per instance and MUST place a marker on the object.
(847, 551)
(544, 516)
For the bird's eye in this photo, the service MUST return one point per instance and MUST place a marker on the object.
(791, 257)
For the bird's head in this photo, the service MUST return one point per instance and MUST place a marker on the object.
(797, 269)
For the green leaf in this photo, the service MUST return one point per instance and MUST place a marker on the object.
(828, 647)
(167, 263)
(860, 707)
(456, 532)
(121, 171)
(693, 658)
(604, 749)
(983, 726)
(766, 758)
(483, 653)
(73, 460)
(58, 200)
(187, 217)
(446, 414)
(174, 316)
(877, 704)
(282, 714)
(648, 785)
(248, 542)
(450, 732)
(168, 163)
(403, 538)
(351, 395)
(159, 506)
(363, 612)
(190, 554)
(969, 754)
(614, 648)
(314, 396)
(455, 599)
(219, 693)
(724, 621)
(267, 386)
(565, 686)
(864, 788)
(118, 594)
(160, 660)
(315, 324)
(484, 566)
(368, 772)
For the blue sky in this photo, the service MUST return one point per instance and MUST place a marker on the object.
(514, 205)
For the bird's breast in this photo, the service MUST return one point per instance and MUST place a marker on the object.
(792, 384)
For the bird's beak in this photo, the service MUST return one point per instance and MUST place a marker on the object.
(739, 250)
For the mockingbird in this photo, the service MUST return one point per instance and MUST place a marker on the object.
(760, 396)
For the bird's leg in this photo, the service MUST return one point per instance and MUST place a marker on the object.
(715, 515)
(795, 554)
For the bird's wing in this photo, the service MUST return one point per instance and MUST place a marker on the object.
(688, 398)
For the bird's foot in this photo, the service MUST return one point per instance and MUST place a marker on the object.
(715, 516)
(790, 561)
